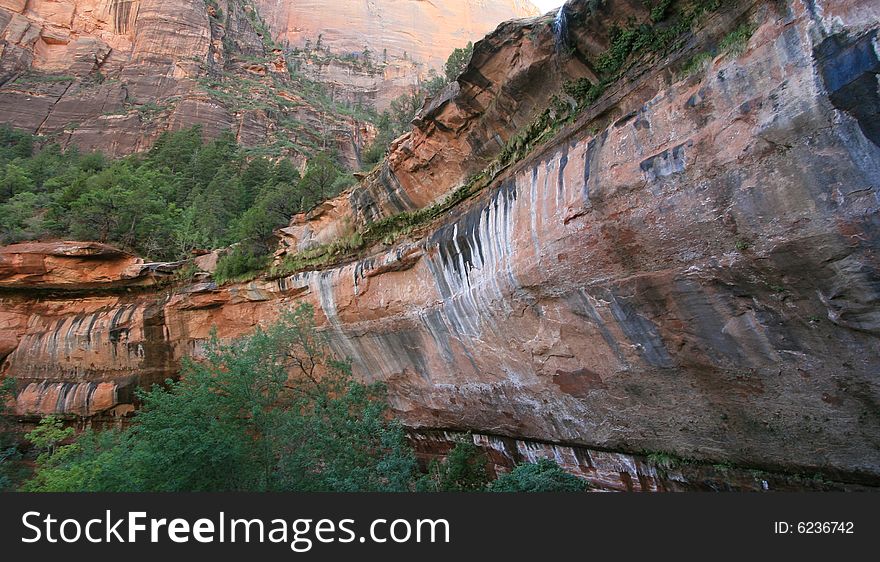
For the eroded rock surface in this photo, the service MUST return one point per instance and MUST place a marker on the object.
(404, 38)
(113, 74)
(691, 267)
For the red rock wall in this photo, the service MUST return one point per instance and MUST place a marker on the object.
(113, 74)
(407, 37)
(689, 268)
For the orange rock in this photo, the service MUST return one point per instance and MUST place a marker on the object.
(690, 266)
(66, 264)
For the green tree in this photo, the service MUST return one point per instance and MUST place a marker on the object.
(14, 144)
(175, 150)
(15, 180)
(97, 214)
(404, 109)
(543, 476)
(208, 159)
(241, 263)
(434, 83)
(19, 218)
(9, 454)
(285, 173)
(317, 183)
(48, 436)
(257, 175)
(376, 150)
(458, 61)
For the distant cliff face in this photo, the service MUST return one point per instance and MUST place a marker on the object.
(97, 73)
(425, 32)
(113, 74)
(405, 38)
(689, 267)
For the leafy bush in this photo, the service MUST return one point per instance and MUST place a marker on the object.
(10, 472)
(543, 476)
(458, 61)
(463, 470)
(240, 264)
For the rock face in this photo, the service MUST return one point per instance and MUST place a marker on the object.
(690, 268)
(404, 38)
(86, 69)
(63, 264)
(426, 31)
(113, 74)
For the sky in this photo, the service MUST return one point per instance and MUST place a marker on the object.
(547, 5)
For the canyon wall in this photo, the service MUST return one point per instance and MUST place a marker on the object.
(113, 74)
(406, 39)
(426, 31)
(99, 73)
(690, 267)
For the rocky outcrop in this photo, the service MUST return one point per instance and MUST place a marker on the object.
(690, 267)
(57, 265)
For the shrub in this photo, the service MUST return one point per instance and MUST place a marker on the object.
(463, 470)
(543, 476)
(9, 470)
(239, 265)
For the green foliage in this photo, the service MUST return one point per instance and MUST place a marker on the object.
(391, 124)
(463, 470)
(659, 11)
(273, 411)
(543, 476)
(658, 35)
(9, 455)
(458, 61)
(182, 195)
(320, 178)
(735, 42)
(48, 436)
(320, 256)
(665, 461)
(241, 264)
(624, 42)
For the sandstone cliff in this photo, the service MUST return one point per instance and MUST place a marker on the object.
(112, 74)
(689, 267)
(405, 39)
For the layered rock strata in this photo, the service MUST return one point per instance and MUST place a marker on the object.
(690, 268)
(112, 75)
